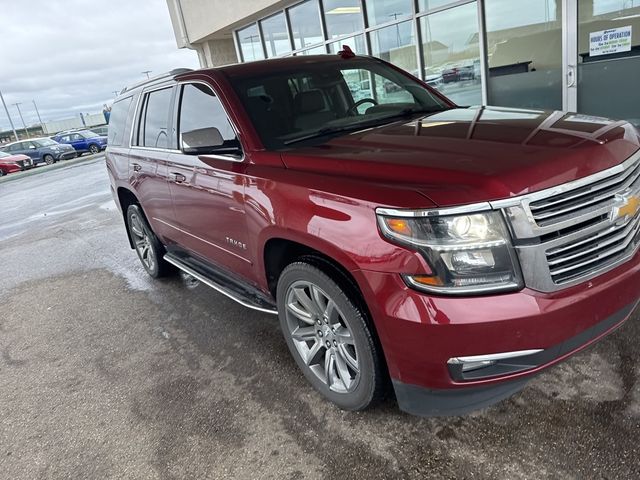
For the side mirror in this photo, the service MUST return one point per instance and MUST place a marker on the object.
(207, 140)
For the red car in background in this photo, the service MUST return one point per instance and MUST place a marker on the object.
(14, 163)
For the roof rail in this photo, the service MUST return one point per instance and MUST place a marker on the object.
(172, 73)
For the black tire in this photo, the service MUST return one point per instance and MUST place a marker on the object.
(367, 385)
(93, 149)
(2, 174)
(48, 159)
(142, 236)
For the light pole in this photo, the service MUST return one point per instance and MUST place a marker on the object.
(147, 72)
(21, 118)
(38, 113)
(15, 134)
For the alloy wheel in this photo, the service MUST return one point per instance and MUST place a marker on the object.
(322, 337)
(142, 242)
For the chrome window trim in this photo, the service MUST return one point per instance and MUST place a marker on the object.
(235, 128)
(136, 116)
(154, 149)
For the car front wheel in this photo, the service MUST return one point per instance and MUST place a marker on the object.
(329, 337)
(49, 160)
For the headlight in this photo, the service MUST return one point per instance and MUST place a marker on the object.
(469, 253)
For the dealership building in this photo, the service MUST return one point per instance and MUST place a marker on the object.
(578, 55)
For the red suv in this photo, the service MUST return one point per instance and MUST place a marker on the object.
(453, 251)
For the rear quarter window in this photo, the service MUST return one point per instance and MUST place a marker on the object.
(117, 120)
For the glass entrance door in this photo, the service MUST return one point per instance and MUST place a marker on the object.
(608, 48)
(525, 53)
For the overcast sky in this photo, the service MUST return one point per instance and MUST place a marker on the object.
(70, 55)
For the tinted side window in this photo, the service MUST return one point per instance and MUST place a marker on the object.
(200, 108)
(117, 119)
(156, 119)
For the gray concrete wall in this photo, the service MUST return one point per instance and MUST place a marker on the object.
(206, 19)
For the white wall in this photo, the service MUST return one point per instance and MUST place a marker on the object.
(206, 18)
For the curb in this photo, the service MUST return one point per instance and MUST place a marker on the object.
(48, 168)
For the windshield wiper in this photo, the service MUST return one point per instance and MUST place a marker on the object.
(367, 124)
(328, 131)
(405, 112)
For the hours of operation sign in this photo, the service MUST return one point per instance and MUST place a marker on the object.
(615, 40)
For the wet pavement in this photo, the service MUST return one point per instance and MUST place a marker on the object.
(105, 373)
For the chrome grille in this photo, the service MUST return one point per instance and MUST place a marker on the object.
(582, 257)
(571, 233)
(558, 207)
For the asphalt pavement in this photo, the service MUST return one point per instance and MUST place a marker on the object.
(105, 373)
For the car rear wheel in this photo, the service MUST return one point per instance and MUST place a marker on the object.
(149, 249)
(93, 149)
(329, 338)
(49, 160)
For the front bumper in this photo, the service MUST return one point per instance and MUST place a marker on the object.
(420, 334)
(66, 155)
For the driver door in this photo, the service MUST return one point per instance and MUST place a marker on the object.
(208, 190)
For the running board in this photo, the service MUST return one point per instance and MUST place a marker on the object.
(244, 294)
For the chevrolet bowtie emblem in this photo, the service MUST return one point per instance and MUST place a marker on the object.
(627, 206)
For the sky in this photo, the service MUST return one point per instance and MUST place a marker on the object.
(71, 55)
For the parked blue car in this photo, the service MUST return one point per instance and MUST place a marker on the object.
(41, 150)
(83, 141)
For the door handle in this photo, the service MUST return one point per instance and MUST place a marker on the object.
(137, 167)
(571, 76)
(177, 177)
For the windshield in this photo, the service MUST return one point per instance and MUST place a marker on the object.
(45, 142)
(4, 155)
(312, 102)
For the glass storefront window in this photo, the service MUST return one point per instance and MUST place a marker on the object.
(451, 53)
(396, 44)
(275, 36)
(250, 46)
(524, 43)
(320, 50)
(424, 5)
(342, 17)
(355, 43)
(305, 24)
(608, 80)
(384, 11)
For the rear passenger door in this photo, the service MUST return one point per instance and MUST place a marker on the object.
(30, 149)
(79, 142)
(148, 160)
(208, 190)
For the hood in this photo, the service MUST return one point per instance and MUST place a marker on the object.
(468, 155)
(14, 158)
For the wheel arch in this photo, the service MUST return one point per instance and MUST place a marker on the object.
(279, 252)
(126, 198)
